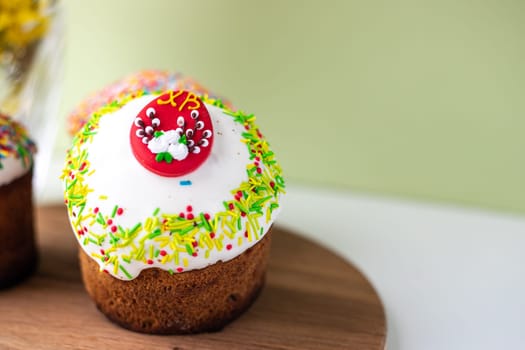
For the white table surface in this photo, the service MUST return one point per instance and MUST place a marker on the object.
(450, 278)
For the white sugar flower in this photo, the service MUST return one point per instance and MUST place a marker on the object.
(158, 145)
(178, 151)
(168, 141)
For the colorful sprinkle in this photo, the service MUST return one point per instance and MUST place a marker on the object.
(15, 142)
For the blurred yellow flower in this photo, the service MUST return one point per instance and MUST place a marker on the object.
(22, 22)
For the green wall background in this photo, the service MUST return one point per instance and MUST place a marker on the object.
(415, 98)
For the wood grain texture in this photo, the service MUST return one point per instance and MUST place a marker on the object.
(305, 304)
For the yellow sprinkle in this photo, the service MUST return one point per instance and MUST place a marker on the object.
(209, 242)
(218, 244)
(185, 262)
(115, 267)
(249, 233)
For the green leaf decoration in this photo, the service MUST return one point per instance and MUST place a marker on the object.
(164, 156)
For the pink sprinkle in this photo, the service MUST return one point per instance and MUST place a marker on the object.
(150, 262)
(180, 269)
(207, 216)
(194, 243)
(120, 211)
(113, 228)
(182, 215)
(95, 210)
(110, 221)
(189, 208)
(163, 253)
(212, 235)
(190, 216)
(229, 246)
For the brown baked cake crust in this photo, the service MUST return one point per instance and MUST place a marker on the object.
(18, 254)
(189, 302)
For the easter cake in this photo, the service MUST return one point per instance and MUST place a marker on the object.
(172, 197)
(18, 253)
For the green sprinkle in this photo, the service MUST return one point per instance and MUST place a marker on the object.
(239, 224)
(205, 222)
(100, 219)
(156, 212)
(125, 272)
(241, 207)
(261, 201)
(135, 228)
(186, 230)
(73, 183)
(155, 233)
(189, 249)
(114, 212)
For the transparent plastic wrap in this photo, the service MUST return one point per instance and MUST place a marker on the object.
(31, 57)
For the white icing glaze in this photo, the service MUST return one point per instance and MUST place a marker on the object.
(13, 168)
(120, 178)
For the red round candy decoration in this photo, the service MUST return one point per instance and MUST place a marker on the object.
(173, 134)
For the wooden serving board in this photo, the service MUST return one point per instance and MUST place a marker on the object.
(312, 300)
